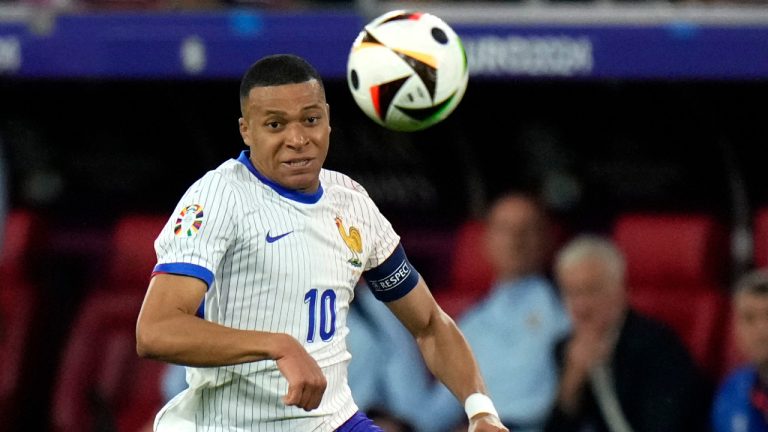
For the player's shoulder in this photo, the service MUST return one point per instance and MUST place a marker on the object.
(229, 174)
(220, 184)
(337, 181)
(231, 170)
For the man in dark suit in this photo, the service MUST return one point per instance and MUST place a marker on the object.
(619, 371)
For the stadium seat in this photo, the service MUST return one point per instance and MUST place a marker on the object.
(102, 384)
(132, 252)
(471, 274)
(18, 305)
(676, 265)
(760, 228)
(21, 232)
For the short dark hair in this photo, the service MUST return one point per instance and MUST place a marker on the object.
(754, 282)
(277, 69)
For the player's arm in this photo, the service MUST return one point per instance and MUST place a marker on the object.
(445, 351)
(168, 330)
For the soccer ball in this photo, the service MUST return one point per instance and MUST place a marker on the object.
(407, 70)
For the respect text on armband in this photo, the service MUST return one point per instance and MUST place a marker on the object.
(393, 280)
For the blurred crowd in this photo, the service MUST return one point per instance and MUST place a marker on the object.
(567, 341)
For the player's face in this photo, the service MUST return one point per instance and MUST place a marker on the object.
(287, 129)
(593, 295)
(751, 322)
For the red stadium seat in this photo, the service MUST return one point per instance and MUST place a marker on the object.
(471, 275)
(18, 304)
(21, 231)
(102, 384)
(760, 227)
(676, 266)
(132, 253)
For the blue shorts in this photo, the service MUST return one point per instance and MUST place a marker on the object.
(359, 423)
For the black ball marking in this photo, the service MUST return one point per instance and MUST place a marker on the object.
(439, 35)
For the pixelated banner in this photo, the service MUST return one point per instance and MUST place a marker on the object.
(222, 44)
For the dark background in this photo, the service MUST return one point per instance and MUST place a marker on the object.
(119, 146)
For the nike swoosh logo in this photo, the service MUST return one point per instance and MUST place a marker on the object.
(271, 239)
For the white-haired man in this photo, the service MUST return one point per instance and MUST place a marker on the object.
(620, 371)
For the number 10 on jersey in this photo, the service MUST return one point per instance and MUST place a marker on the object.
(323, 306)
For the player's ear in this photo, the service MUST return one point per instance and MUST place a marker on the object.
(243, 126)
(328, 113)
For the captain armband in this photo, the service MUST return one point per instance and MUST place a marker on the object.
(394, 278)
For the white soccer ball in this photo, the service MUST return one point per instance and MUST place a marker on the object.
(407, 70)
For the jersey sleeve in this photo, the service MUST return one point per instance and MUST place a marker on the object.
(200, 231)
(388, 272)
(385, 239)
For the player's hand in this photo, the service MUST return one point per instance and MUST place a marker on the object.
(306, 382)
(586, 350)
(486, 423)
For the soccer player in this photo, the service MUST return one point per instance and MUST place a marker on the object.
(256, 270)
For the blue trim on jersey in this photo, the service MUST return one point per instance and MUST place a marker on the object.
(186, 269)
(201, 310)
(245, 159)
(394, 278)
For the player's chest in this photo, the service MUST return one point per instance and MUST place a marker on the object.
(320, 237)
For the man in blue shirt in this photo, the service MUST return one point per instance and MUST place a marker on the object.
(741, 403)
(386, 372)
(513, 330)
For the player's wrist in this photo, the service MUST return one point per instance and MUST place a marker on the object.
(478, 403)
(276, 346)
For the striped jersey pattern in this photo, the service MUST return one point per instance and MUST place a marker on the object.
(276, 261)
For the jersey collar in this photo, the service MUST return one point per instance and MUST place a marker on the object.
(291, 194)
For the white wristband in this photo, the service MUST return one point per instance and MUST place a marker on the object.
(478, 403)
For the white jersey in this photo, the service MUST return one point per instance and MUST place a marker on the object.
(275, 261)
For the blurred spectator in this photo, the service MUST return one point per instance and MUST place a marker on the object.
(387, 375)
(513, 331)
(741, 403)
(174, 381)
(620, 371)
